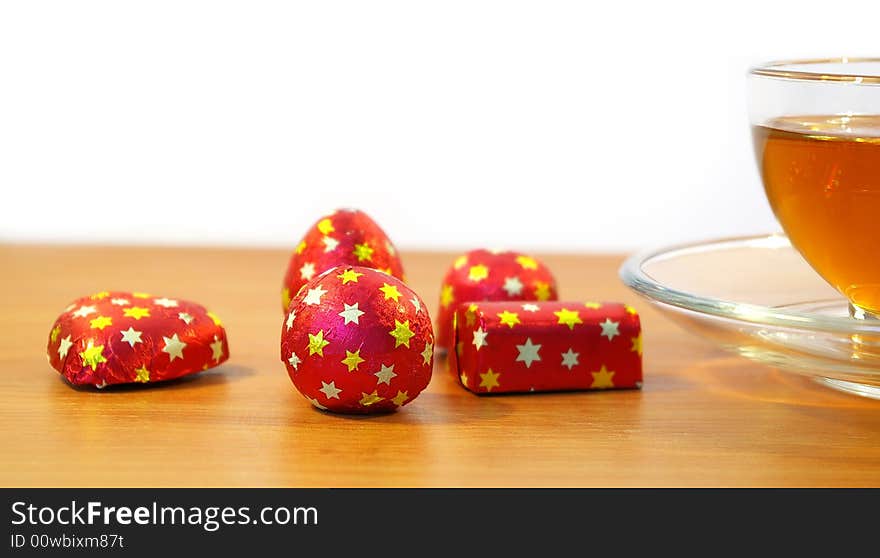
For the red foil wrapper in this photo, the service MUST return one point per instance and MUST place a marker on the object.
(357, 340)
(504, 347)
(487, 275)
(345, 237)
(121, 338)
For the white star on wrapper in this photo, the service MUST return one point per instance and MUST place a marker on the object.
(330, 243)
(530, 307)
(119, 301)
(480, 338)
(316, 403)
(185, 318)
(385, 374)
(330, 390)
(416, 303)
(294, 361)
(132, 336)
(528, 353)
(390, 248)
(513, 286)
(217, 349)
(314, 295)
(65, 346)
(351, 313)
(290, 318)
(307, 271)
(84, 311)
(166, 302)
(173, 346)
(609, 329)
(570, 359)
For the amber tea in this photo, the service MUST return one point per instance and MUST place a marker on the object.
(822, 177)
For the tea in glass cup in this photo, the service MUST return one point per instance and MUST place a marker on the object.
(816, 131)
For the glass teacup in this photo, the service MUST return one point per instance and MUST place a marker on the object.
(816, 130)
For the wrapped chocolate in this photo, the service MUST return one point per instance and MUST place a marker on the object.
(490, 275)
(504, 347)
(345, 237)
(122, 337)
(357, 340)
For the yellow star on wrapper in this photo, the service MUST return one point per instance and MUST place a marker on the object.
(446, 297)
(349, 275)
(363, 252)
(593, 305)
(527, 262)
(325, 226)
(301, 247)
(390, 291)
(285, 297)
(136, 312)
(509, 318)
(428, 353)
(216, 319)
(93, 356)
(352, 360)
(459, 262)
(464, 379)
(100, 295)
(602, 379)
(489, 380)
(101, 322)
(637, 344)
(368, 399)
(141, 295)
(317, 343)
(542, 290)
(568, 317)
(400, 398)
(55, 333)
(478, 272)
(217, 349)
(630, 310)
(401, 333)
(470, 316)
(143, 375)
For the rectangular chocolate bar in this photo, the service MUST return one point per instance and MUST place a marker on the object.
(522, 346)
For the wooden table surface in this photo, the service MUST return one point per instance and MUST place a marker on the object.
(704, 417)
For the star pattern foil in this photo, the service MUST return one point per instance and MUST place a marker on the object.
(113, 338)
(357, 340)
(504, 347)
(490, 275)
(345, 237)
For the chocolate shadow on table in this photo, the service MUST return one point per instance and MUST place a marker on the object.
(215, 376)
(438, 408)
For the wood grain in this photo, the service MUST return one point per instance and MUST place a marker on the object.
(703, 418)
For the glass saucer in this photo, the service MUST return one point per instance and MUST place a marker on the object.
(756, 296)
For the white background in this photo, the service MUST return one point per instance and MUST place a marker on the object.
(532, 125)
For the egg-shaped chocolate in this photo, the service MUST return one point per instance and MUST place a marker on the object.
(357, 340)
(345, 237)
(490, 275)
(130, 337)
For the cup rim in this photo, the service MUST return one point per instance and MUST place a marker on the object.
(774, 69)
